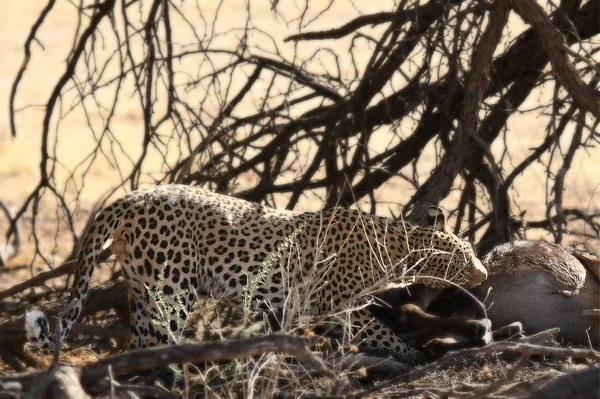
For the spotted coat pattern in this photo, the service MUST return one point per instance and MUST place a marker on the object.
(186, 241)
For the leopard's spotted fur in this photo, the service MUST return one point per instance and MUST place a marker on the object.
(220, 245)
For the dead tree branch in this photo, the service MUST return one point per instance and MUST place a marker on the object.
(30, 39)
(439, 184)
(507, 347)
(554, 44)
(16, 241)
(255, 135)
(90, 376)
(41, 278)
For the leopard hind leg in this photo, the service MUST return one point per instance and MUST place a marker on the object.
(158, 312)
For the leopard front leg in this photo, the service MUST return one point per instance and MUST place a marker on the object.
(372, 334)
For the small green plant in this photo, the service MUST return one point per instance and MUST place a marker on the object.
(268, 265)
(167, 306)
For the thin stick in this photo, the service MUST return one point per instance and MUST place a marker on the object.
(452, 357)
(40, 278)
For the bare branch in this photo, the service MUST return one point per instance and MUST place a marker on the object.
(554, 43)
(508, 347)
(32, 36)
(91, 375)
(41, 278)
(438, 186)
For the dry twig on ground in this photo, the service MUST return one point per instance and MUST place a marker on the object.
(505, 346)
(90, 377)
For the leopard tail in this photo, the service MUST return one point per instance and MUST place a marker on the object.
(95, 241)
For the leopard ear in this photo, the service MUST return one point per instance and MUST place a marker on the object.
(435, 218)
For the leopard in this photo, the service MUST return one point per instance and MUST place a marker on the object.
(182, 241)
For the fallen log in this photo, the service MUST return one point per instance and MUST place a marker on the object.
(496, 347)
(68, 381)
